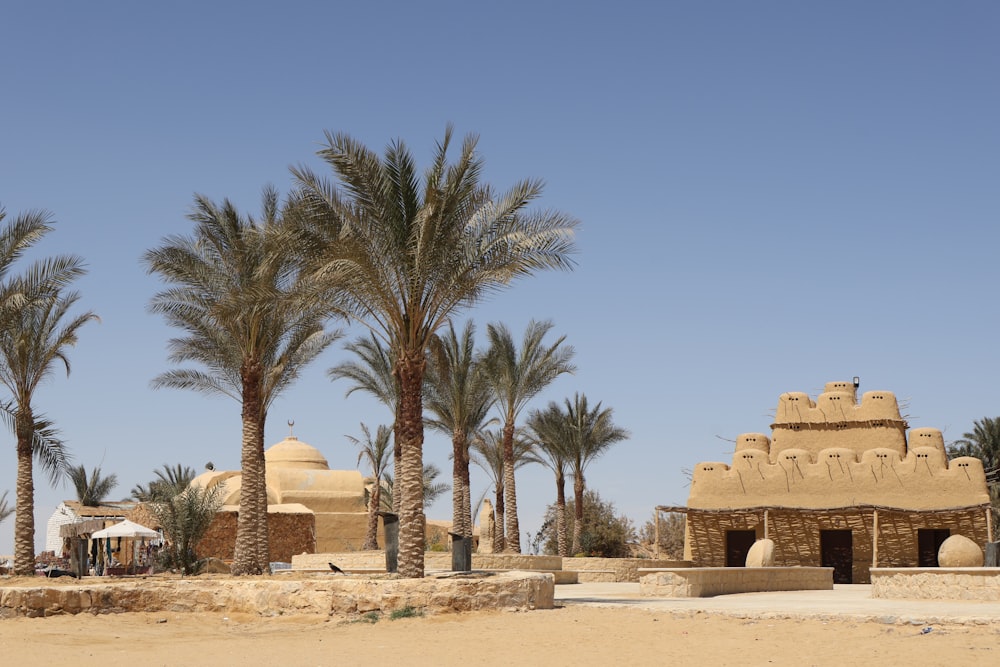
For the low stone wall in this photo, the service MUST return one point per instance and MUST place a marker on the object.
(698, 582)
(433, 560)
(336, 596)
(612, 570)
(936, 583)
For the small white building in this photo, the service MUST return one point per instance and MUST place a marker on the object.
(71, 511)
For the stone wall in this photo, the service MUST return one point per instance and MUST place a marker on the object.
(289, 534)
(610, 570)
(707, 582)
(340, 596)
(361, 560)
(960, 583)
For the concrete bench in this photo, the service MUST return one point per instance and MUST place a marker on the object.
(699, 582)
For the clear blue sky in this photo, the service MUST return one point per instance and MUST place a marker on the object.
(772, 194)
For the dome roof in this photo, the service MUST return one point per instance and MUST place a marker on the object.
(293, 453)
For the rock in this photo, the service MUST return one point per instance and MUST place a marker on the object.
(487, 528)
(214, 566)
(761, 554)
(960, 551)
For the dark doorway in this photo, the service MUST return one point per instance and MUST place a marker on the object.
(928, 542)
(836, 549)
(738, 543)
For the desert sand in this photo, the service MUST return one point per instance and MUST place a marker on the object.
(568, 635)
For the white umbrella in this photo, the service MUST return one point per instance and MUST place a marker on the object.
(126, 529)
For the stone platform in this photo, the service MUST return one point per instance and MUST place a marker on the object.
(326, 595)
(695, 582)
(936, 583)
(436, 562)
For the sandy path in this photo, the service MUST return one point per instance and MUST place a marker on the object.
(575, 635)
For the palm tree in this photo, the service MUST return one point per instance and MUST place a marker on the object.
(5, 511)
(92, 490)
(168, 483)
(458, 396)
(372, 375)
(593, 432)
(486, 451)
(24, 301)
(375, 452)
(429, 489)
(983, 443)
(517, 376)
(29, 350)
(552, 438)
(252, 320)
(409, 253)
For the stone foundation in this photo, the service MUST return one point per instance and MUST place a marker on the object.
(326, 595)
(615, 570)
(936, 583)
(698, 582)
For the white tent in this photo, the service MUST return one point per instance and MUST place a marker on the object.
(126, 529)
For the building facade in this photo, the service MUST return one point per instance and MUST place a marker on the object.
(839, 484)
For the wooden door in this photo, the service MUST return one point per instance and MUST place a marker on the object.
(836, 548)
(928, 543)
(738, 543)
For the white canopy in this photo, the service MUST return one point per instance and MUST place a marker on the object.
(126, 529)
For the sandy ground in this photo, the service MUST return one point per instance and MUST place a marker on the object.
(568, 635)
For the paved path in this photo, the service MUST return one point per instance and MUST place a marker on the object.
(844, 601)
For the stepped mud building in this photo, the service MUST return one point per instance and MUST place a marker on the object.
(837, 484)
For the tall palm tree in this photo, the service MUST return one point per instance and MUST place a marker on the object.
(409, 254)
(5, 511)
(552, 437)
(93, 489)
(458, 397)
(486, 451)
(251, 319)
(373, 375)
(21, 296)
(593, 432)
(517, 376)
(30, 348)
(169, 482)
(375, 451)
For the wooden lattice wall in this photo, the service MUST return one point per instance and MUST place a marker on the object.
(796, 533)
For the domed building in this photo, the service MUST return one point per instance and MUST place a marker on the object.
(311, 509)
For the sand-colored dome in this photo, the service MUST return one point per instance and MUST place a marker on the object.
(293, 453)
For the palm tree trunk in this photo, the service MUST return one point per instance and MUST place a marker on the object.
(512, 531)
(397, 457)
(410, 369)
(374, 501)
(263, 536)
(561, 514)
(577, 510)
(466, 493)
(24, 516)
(498, 541)
(461, 511)
(247, 551)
